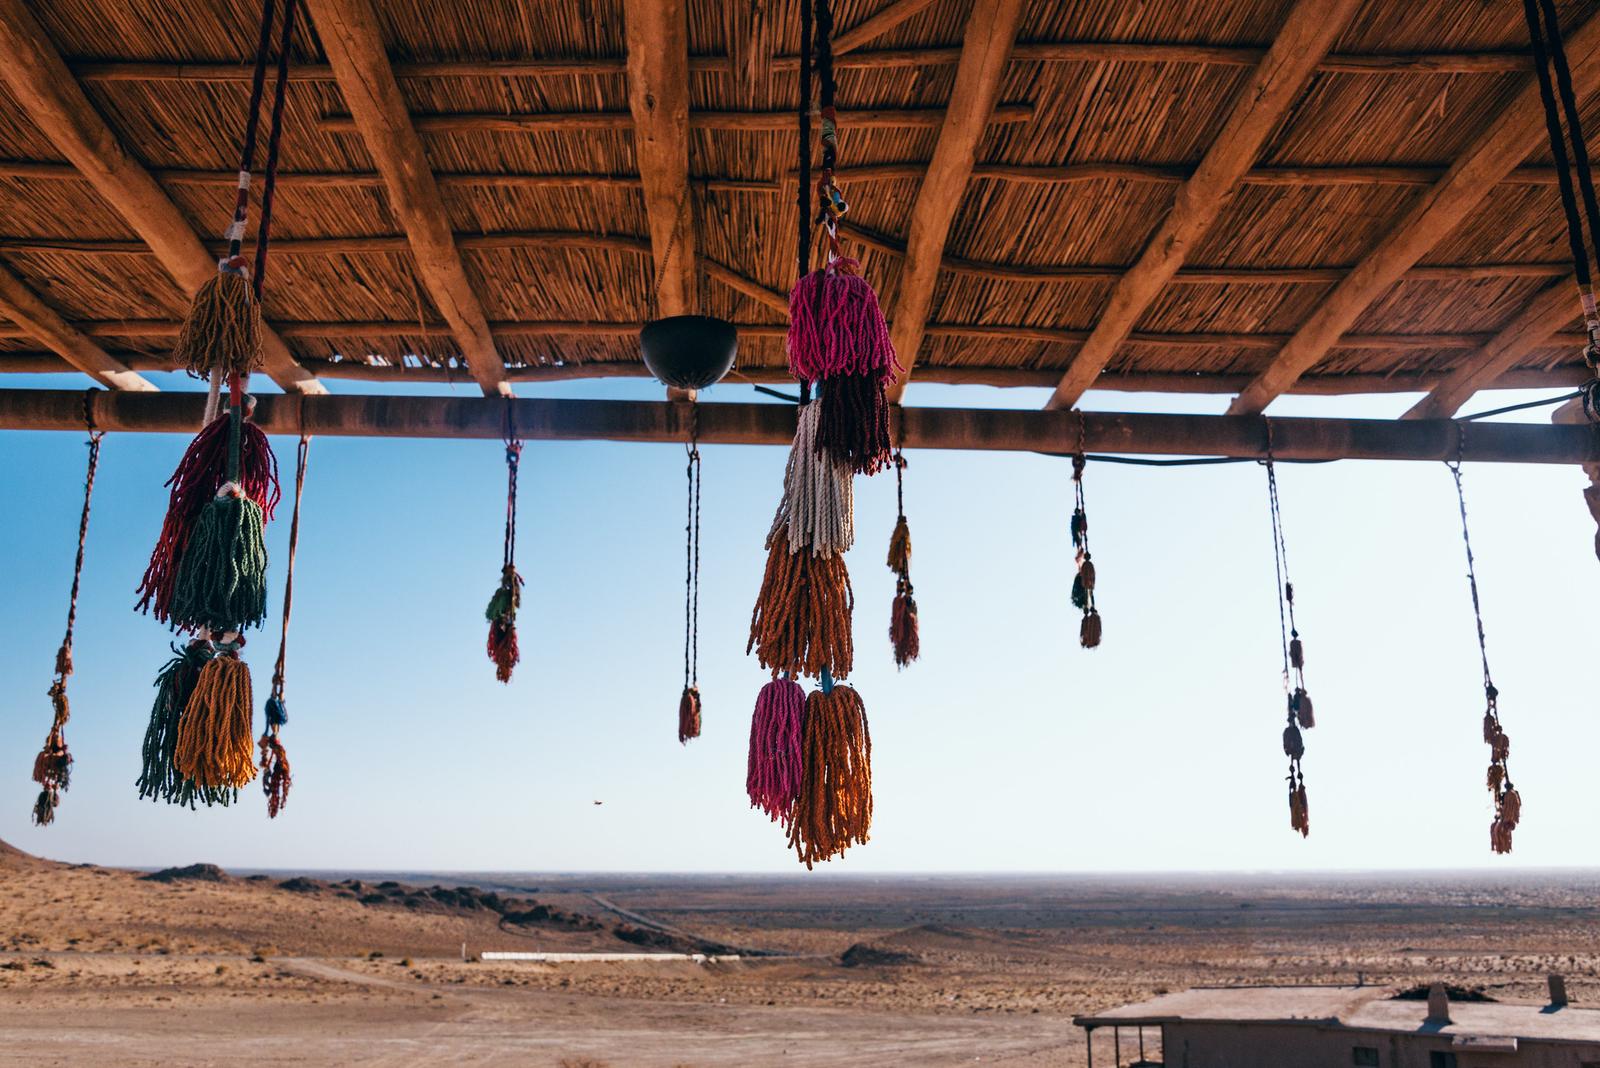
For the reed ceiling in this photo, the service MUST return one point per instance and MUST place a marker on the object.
(1033, 252)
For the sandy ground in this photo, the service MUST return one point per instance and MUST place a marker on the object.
(101, 966)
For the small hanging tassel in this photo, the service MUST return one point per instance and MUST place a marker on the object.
(689, 714)
(903, 625)
(1299, 808)
(52, 768)
(502, 616)
(801, 619)
(222, 581)
(1089, 629)
(834, 808)
(198, 478)
(900, 547)
(836, 327)
(1300, 702)
(215, 741)
(775, 763)
(222, 331)
(275, 779)
(160, 779)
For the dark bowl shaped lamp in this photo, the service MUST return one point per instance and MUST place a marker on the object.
(689, 351)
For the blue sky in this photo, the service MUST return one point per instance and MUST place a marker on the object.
(1005, 748)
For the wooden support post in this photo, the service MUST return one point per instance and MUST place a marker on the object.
(997, 430)
(1508, 139)
(25, 308)
(353, 40)
(1277, 83)
(54, 101)
(991, 31)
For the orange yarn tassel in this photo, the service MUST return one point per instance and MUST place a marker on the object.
(834, 809)
(801, 621)
(215, 746)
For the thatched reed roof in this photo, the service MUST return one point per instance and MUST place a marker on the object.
(1102, 110)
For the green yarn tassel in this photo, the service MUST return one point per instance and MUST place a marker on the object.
(160, 780)
(222, 581)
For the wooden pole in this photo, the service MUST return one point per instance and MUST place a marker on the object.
(985, 53)
(353, 40)
(1002, 430)
(1513, 133)
(1275, 86)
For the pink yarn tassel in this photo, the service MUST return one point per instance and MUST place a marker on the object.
(772, 776)
(836, 326)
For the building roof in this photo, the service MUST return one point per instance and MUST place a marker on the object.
(1101, 112)
(1371, 1008)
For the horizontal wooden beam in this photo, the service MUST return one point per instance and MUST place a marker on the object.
(1336, 385)
(992, 430)
(845, 58)
(1199, 54)
(622, 121)
(164, 328)
(1165, 174)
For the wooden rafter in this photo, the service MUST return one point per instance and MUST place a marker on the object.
(514, 122)
(985, 51)
(55, 102)
(657, 34)
(773, 424)
(25, 308)
(877, 24)
(1276, 84)
(1551, 310)
(1507, 140)
(353, 41)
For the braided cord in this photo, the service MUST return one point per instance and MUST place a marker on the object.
(301, 458)
(691, 563)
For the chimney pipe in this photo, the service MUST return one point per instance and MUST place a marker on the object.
(1558, 990)
(1438, 1005)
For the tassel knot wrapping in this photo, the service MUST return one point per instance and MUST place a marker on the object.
(774, 766)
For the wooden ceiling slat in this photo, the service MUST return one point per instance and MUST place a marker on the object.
(352, 39)
(41, 82)
(1514, 133)
(1279, 80)
(591, 121)
(985, 52)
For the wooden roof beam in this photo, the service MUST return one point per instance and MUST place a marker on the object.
(876, 25)
(55, 102)
(657, 36)
(25, 308)
(1549, 312)
(1278, 81)
(985, 51)
(990, 429)
(1510, 136)
(588, 121)
(353, 41)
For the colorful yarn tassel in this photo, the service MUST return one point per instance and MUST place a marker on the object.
(903, 625)
(801, 621)
(833, 810)
(222, 581)
(775, 764)
(689, 714)
(215, 742)
(199, 476)
(52, 768)
(502, 616)
(854, 423)
(1299, 809)
(275, 779)
(836, 327)
(222, 331)
(818, 506)
(160, 779)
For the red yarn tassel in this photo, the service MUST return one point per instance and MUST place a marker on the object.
(199, 475)
(275, 778)
(689, 714)
(903, 626)
(503, 648)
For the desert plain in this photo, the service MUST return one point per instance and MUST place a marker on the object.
(198, 966)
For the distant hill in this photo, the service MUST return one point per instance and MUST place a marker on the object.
(12, 857)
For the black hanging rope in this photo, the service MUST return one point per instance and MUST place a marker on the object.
(691, 562)
(274, 136)
(1571, 154)
(1299, 712)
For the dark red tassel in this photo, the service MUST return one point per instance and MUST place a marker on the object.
(903, 626)
(199, 475)
(853, 424)
(275, 778)
(689, 714)
(503, 648)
